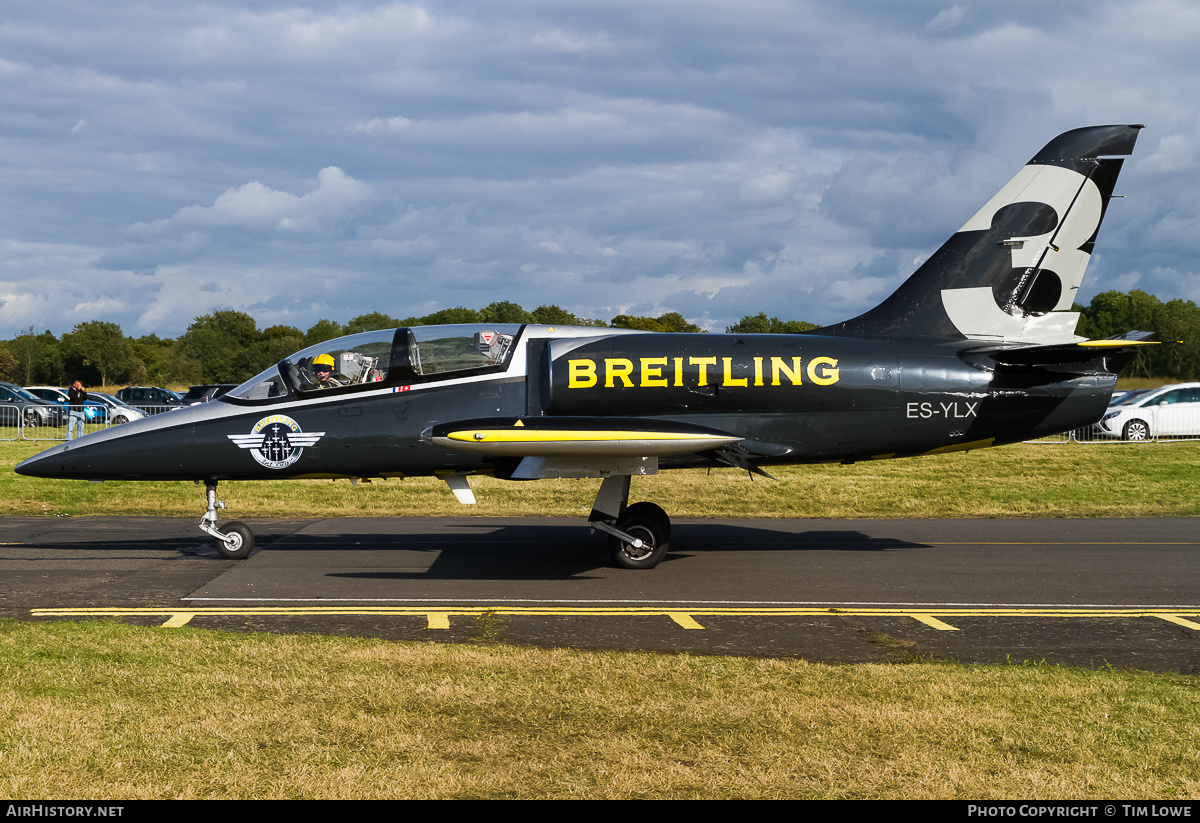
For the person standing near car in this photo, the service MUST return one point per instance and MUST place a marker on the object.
(77, 398)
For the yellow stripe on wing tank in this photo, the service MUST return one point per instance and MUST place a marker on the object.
(531, 436)
(526, 442)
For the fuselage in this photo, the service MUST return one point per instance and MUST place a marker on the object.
(787, 398)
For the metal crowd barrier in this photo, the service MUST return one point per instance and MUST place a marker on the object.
(1158, 425)
(10, 423)
(19, 423)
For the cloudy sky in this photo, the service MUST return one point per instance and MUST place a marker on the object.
(306, 160)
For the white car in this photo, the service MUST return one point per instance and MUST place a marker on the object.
(1170, 411)
(118, 412)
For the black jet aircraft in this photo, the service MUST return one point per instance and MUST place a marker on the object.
(977, 348)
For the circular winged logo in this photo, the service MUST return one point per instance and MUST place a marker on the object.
(276, 441)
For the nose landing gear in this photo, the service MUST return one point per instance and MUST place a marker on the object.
(235, 541)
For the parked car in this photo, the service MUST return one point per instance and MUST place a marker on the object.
(118, 411)
(151, 399)
(1170, 411)
(206, 392)
(93, 410)
(31, 408)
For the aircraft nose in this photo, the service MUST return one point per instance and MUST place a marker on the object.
(55, 462)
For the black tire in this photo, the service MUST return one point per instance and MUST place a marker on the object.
(648, 523)
(118, 419)
(650, 510)
(238, 542)
(1136, 430)
(32, 418)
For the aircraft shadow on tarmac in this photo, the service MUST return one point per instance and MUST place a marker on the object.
(484, 550)
(546, 552)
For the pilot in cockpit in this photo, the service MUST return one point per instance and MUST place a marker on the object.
(322, 370)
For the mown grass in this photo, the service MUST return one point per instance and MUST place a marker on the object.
(1024, 480)
(105, 710)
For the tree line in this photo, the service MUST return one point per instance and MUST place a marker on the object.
(227, 346)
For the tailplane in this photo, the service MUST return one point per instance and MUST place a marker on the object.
(1010, 274)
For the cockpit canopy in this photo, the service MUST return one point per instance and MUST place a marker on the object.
(384, 359)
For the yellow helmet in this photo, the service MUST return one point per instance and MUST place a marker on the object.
(323, 362)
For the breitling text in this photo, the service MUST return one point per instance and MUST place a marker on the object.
(666, 372)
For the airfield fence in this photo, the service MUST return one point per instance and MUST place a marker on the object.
(10, 423)
(26, 423)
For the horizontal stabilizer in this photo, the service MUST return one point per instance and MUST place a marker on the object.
(1083, 351)
(557, 436)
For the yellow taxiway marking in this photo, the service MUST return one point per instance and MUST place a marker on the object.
(438, 617)
(1171, 618)
(684, 620)
(933, 622)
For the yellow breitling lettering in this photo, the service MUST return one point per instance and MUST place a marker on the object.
(828, 375)
(702, 362)
(665, 372)
(730, 380)
(652, 371)
(793, 373)
(582, 374)
(618, 368)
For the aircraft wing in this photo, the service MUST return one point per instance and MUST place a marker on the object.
(581, 436)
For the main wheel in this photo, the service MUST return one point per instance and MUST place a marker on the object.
(650, 525)
(238, 542)
(1136, 430)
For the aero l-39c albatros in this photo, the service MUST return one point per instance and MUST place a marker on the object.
(977, 348)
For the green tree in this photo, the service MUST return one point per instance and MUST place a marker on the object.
(504, 312)
(224, 343)
(446, 316)
(761, 324)
(100, 346)
(554, 316)
(321, 331)
(371, 322)
(669, 322)
(1178, 326)
(8, 363)
(27, 350)
(152, 355)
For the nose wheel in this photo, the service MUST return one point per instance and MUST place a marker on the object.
(235, 540)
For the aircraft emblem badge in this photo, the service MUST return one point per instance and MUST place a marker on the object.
(277, 441)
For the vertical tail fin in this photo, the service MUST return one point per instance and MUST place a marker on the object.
(1010, 274)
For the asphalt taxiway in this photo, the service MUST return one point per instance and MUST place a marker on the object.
(1089, 592)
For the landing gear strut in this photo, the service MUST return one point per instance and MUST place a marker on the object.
(235, 541)
(638, 535)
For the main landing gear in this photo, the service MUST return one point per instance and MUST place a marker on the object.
(638, 535)
(235, 541)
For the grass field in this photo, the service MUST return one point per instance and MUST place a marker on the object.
(104, 710)
(1024, 480)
